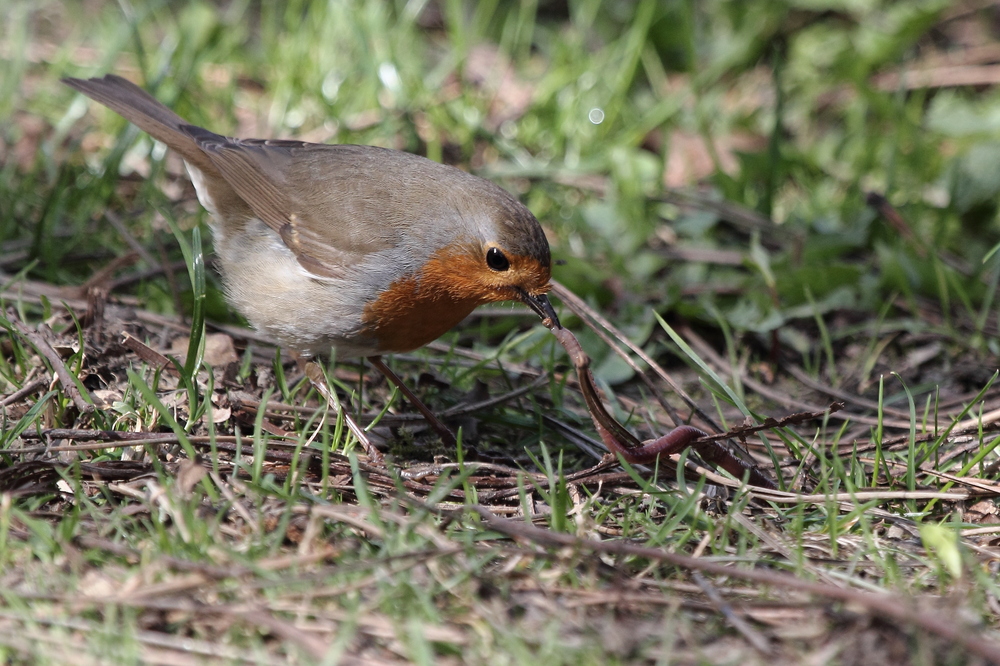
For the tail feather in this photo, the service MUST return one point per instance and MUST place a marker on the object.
(146, 112)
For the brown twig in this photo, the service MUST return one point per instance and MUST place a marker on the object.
(66, 378)
(898, 222)
(314, 646)
(315, 374)
(770, 422)
(842, 396)
(102, 277)
(146, 353)
(715, 359)
(137, 248)
(446, 435)
(24, 391)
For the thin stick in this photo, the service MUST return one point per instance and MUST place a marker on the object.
(66, 378)
(754, 637)
(25, 390)
(315, 375)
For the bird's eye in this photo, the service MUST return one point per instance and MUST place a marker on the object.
(496, 260)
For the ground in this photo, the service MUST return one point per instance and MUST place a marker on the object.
(759, 210)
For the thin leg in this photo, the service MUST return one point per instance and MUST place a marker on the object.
(433, 421)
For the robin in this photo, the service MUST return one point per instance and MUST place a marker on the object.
(361, 249)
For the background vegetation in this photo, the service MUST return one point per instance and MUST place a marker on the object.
(806, 192)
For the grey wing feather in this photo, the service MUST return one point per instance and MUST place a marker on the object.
(259, 179)
(331, 204)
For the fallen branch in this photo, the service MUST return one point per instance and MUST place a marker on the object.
(66, 378)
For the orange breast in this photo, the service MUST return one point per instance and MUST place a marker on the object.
(417, 323)
(421, 307)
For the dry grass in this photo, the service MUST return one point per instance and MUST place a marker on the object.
(172, 503)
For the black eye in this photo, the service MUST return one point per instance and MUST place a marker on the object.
(496, 260)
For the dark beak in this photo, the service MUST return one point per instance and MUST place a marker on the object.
(540, 304)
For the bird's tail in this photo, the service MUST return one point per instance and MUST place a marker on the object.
(147, 113)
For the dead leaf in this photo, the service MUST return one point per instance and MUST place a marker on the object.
(106, 398)
(985, 511)
(691, 161)
(189, 474)
(219, 349)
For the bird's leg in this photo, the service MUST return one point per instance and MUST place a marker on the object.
(446, 435)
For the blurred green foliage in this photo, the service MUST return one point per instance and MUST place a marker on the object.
(791, 104)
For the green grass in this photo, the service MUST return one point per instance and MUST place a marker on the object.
(702, 169)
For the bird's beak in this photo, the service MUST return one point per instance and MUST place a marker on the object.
(540, 304)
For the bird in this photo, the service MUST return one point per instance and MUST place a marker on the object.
(359, 249)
